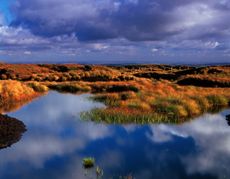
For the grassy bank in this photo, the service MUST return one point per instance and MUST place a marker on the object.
(158, 102)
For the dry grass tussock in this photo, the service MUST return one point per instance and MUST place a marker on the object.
(13, 94)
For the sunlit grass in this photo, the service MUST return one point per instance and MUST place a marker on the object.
(162, 102)
(38, 87)
(14, 94)
(133, 93)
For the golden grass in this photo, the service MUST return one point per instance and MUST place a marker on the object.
(136, 91)
(159, 102)
(14, 94)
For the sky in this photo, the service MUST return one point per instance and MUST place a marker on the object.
(115, 31)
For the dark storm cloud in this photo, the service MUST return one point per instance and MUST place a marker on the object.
(197, 30)
(136, 20)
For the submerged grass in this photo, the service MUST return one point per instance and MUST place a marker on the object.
(88, 162)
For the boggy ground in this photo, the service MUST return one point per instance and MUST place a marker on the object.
(133, 93)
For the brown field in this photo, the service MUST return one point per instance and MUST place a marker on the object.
(133, 93)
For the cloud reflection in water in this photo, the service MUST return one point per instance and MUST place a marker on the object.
(57, 140)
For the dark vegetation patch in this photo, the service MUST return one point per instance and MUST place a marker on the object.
(68, 88)
(157, 76)
(88, 68)
(195, 81)
(11, 130)
(113, 88)
(60, 68)
(190, 71)
(228, 119)
(121, 88)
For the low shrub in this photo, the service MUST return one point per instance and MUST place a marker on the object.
(217, 100)
(38, 87)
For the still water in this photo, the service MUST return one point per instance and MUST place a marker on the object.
(57, 140)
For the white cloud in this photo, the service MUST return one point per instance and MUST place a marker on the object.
(195, 14)
(18, 36)
(44, 140)
(154, 50)
(27, 52)
(211, 136)
(211, 44)
(100, 46)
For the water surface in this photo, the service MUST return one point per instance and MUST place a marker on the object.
(57, 140)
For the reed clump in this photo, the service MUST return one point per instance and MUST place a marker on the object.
(88, 162)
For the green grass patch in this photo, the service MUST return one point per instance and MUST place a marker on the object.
(114, 117)
(88, 162)
(164, 110)
(168, 106)
(217, 100)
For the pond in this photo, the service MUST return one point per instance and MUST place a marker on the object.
(57, 140)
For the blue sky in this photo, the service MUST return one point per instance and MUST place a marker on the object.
(115, 31)
(5, 9)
